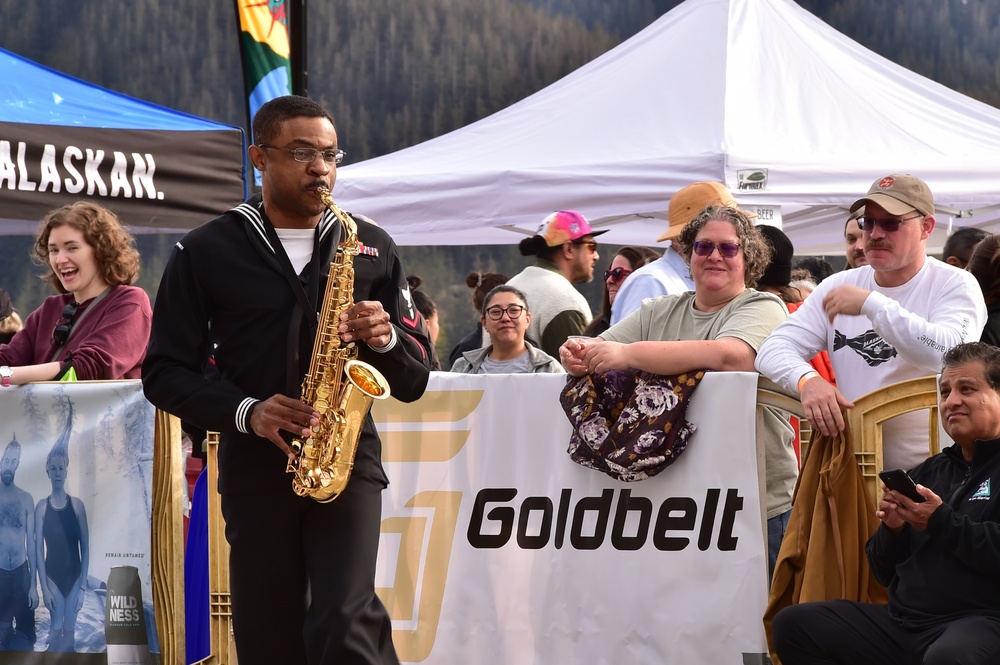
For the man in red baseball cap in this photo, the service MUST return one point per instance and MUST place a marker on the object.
(566, 252)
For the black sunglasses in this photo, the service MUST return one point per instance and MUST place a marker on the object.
(888, 225)
(61, 333)
(617, 273)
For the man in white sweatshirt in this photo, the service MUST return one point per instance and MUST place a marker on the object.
(882, 323)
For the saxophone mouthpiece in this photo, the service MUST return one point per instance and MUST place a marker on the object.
(323, 194)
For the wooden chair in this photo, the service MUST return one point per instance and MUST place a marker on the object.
(168, 538)
(768, 394)
(864, 422)
(168, 550)
(220, 610)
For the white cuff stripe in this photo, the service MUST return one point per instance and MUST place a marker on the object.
(243, 415)
(387, 347)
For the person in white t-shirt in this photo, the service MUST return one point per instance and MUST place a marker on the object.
(882, 323)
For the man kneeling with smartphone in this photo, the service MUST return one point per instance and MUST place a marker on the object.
(940, 558)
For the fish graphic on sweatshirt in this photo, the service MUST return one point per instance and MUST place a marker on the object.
(869, 346)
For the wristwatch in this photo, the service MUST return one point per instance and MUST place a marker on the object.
(5, 374)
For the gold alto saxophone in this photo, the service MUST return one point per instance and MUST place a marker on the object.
(339, 386)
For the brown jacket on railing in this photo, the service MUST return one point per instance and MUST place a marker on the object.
(822, 556)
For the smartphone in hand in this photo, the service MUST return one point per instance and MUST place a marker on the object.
(899, 481)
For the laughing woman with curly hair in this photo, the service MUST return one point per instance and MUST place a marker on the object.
(98, 325)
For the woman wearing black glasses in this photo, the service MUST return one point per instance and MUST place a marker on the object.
(626, 261)
(718, 326)
(505, 319)
(98, 325)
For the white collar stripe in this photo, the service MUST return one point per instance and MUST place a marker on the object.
(252, 215)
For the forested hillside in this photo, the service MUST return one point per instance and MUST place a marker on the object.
(394, 72)
(954, 42)
(398, 72)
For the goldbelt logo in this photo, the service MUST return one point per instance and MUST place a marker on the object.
(427, 431)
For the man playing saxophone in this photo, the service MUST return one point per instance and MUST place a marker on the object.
(246, 289)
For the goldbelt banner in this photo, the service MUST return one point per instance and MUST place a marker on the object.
(497, 549)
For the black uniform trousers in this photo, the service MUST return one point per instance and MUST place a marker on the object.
(302, 577)
(850, 633)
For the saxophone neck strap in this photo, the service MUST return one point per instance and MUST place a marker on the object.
(304, 310)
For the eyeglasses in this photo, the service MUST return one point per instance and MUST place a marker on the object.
(888, 225)
(589, 244)
(61, 332)
(496, 312)
(616, 275)
(307, 155)
(726, 249)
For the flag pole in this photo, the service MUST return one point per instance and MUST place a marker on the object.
(297, 28)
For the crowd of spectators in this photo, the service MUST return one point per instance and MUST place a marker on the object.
(724, 295)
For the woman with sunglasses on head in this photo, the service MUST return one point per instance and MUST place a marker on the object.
(505, 319)
(626, 261)
(718, 326)
(98, 325)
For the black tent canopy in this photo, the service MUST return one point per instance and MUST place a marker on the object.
(62, 139)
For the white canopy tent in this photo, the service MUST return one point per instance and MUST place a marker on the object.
(796, 118)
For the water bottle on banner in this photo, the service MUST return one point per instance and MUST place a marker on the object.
(125, 620)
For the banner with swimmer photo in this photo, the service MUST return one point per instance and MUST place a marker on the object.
(75, 513)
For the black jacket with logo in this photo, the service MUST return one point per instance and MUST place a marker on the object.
(224, 295)
(952, 569)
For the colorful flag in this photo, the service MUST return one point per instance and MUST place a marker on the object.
(264, 44)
